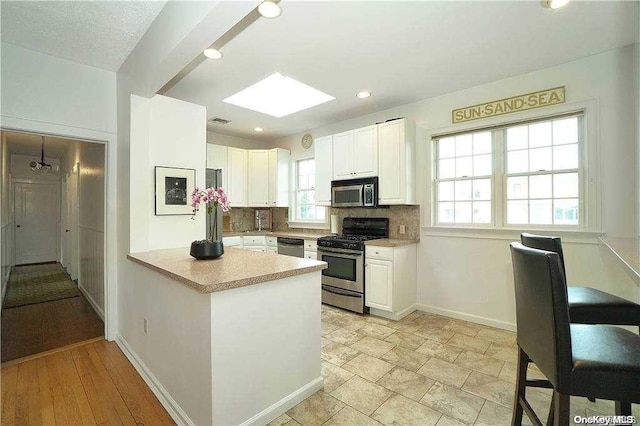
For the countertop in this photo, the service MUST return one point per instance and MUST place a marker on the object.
(303, 235)
(236, 268)
(627, 250)
(389, 242)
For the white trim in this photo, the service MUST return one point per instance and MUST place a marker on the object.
(468, 317)
(173, 408)
(93, 304)
(289, 401)
(309, 225)
(512, 234)
(395, 316)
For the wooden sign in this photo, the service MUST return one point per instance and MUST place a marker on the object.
(519, 103)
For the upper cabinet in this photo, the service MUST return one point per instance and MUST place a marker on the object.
(254, 177)
(324, 170)
(217, 159)
(237, 177)
(279, 163)
(396, 154)
(355, 153)
(258, 178)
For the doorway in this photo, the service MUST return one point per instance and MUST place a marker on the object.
(37, 221)
(54, 294)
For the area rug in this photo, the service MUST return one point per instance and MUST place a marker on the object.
(38, 283)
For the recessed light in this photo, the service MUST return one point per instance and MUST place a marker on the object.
(258, 129)
(269, 9)
(278, 96)
(212, 53)
(363, 95)
(554, 4)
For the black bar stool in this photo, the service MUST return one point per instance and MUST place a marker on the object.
(593, 361)
(588, 305)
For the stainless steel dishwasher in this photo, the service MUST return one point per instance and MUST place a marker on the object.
(291, 246)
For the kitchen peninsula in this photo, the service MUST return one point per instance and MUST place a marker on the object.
(235, 340)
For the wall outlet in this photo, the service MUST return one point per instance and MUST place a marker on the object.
(146, 325)
(402, 229)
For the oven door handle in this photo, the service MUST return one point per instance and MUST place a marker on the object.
(340, 293)
(348, 253)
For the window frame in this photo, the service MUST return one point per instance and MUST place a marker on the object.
(294, 221)
(588, 171)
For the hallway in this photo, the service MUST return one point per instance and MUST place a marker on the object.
(44, 310)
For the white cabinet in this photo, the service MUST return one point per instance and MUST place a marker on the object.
(258, 240)
(232, 241)
(379, 289)
(217, 158)
(258, 178)
(324, 170)
(273, 250)
(342, 155)
(272, 242)
(311, 255)
(390, 283)
(355, 153)
(396, 174)
(237, 177)
(279, 163)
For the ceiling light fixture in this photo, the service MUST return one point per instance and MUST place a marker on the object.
(40, 166)
(258, 129)
(363, 95)
(554, 4)
(212, 53)
(278, 96)
(269, 9)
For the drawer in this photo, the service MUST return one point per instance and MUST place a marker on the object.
(375, 252)
(272, 241)
(232, 241)
(311, 245)
(272, 249)
(310, 255)
(262, 249)
(258, 240)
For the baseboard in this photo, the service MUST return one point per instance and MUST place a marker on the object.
(93, 304)
(282, 406)
(468, 317)
(395, 316)
(173, 408)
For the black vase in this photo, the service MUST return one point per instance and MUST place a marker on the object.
(205, 249)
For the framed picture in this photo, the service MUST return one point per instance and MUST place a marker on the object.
(173, 190)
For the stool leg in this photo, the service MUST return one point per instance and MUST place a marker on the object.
(551, 409)
(623, 408)
(521, 381)
(561, 409)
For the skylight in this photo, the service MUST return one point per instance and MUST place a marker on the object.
(278, 96)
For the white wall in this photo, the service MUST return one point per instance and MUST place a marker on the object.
(468, 274)
(234, 141)
(91, 218)
(6, 243)
(172, 133)
(52, 96)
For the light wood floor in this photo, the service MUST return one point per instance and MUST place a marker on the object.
(85, 385)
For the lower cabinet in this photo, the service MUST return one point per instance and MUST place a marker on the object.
(308, 254)
(390, 280)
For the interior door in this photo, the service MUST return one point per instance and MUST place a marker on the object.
(71, 230)
(36, 219)
(64, 234)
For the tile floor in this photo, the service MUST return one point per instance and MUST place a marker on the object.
(423, 370)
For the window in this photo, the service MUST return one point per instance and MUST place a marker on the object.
(522, 174)
(305, 209)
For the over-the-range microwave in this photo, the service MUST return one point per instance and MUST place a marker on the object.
(355, 192)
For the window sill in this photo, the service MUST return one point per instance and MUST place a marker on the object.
(512, 234)
(308, 225)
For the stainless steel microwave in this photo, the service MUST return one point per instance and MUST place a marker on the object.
(355, 192)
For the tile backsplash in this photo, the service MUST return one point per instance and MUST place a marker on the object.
(242, 219)
(409, 216)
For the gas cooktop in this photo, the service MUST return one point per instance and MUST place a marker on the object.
(355, 232)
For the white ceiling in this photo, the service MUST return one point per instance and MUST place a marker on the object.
(400, 51)
(96, 33)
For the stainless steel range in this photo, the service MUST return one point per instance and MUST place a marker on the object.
(343, 282)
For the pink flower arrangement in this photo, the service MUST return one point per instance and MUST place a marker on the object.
(212, 197)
